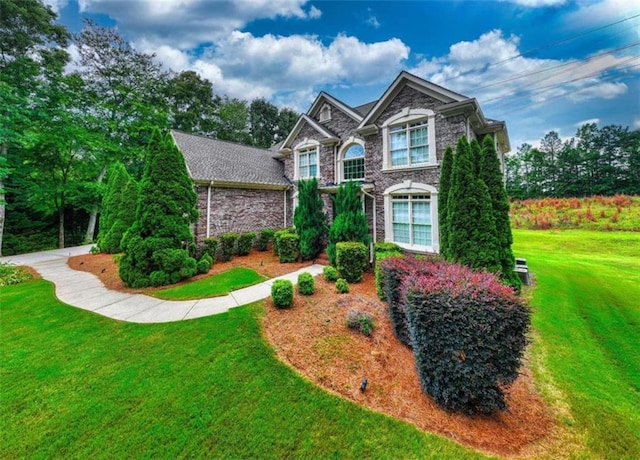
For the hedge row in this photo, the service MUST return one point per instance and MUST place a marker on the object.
(467, 330)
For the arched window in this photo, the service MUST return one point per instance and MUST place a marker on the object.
(351, 160)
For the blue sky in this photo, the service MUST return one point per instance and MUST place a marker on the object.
(540, 65)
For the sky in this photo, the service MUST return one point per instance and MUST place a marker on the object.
(539, 65)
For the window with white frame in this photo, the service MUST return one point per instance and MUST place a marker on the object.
(307, 162)
(411, 216)
(325, 113)
(409, 139)
(353, 163)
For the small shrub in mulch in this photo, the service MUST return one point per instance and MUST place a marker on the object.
(342, 286)
(360, 321)
(306, 283)
(330, 273)
(282, 293)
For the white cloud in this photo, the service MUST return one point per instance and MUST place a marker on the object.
(587, 122)
(314, 13)
(56, 5)
(636, 123)
(372, 20)
(599, 13)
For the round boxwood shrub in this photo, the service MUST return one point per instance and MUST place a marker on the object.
(264, 238)
(342, 286)
(211, 247)
(228, 245)
(245, 243)
(282, 293)
(203, 265)
(330, 273)
(189, 268)
(306, 284)
(288, 247)
(351, 260)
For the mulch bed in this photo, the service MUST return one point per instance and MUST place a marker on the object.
(312, 337)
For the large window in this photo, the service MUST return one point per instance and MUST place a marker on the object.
(409, 144)
(411, 215)
(353, 163)
(408, 140)
(307, 163)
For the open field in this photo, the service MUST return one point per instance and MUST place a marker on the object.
(587, 320)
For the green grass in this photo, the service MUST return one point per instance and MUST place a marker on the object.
(78, 385)
(587, 316)
(212, 286)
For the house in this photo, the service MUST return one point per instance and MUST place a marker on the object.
(392, 146)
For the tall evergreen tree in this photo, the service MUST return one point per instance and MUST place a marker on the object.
(491, 174)
(470, 221)
(310, 221)
(443, 196)
(118, 208)
(476, 156)
(161, 233)
(350, 223)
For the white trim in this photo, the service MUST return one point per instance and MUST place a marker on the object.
(340, 160)
(412, 188)
(336, 103)
(325, 113)
(208, 232)
(304, 145)
(407, 115)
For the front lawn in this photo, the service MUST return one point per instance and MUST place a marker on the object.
(212, 286)
(78, 385)
(587, 316)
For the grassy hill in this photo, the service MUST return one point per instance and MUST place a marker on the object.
(616, 213)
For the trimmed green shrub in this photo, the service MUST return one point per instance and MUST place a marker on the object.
(360, 321)
(342, 286)
(350, 223)
(288, 247)
(468, 334)
(264, 238)
(309, 220)
(306, 284)
(330, 273)
(170, 260)
(277, 235)
(189, 268)
(245, 243)
(351, 260)
(228, 243)
(386, 246)
(282, 293)
(381, 251)
(211, 248)
(159, 278)
(203, 265)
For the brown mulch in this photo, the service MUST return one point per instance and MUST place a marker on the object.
(313, 338)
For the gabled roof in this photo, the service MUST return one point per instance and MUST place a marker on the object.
(329, 138)
(229, 164)
(365, 108)
(324, 97)
(402, 80)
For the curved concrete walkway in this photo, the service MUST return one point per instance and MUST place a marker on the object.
(86, 291)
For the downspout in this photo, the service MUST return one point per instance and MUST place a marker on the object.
(375, 229)
(208, 232)
(284, 194)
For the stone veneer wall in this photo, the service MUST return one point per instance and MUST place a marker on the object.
(448, 131)
(239, 210)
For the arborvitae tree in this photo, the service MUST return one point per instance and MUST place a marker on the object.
(118, 208)
(155, 246)
(476, 156)
(491, 174)
(350, 223)
(472, 237)
(309, 220)
(444, 187)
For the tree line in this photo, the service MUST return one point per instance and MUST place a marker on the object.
(64, 121)
(597, 161)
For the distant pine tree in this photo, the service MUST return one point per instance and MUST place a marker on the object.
(444, 187)
(471, 226)
(491, 174)
(309, 220)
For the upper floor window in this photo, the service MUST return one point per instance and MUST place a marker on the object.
(409, 139)
(307, 162)
(353, 163)
(325, 113)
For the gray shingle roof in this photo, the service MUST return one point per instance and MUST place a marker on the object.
(365, 108)
(228, 162)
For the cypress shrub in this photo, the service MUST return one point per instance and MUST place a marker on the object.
(468, 334)
(491, 174)
(288, 247)
(306, 284)
(204, 265)
(443, 196)
(282, 293)
(350, 223)
(165, 210)
(228, 243)
(309, 220)
(118, 209)
(342, 286)
(245, 243)
(330, 273)
(211, 248)
(351, 260)
(264, 238)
